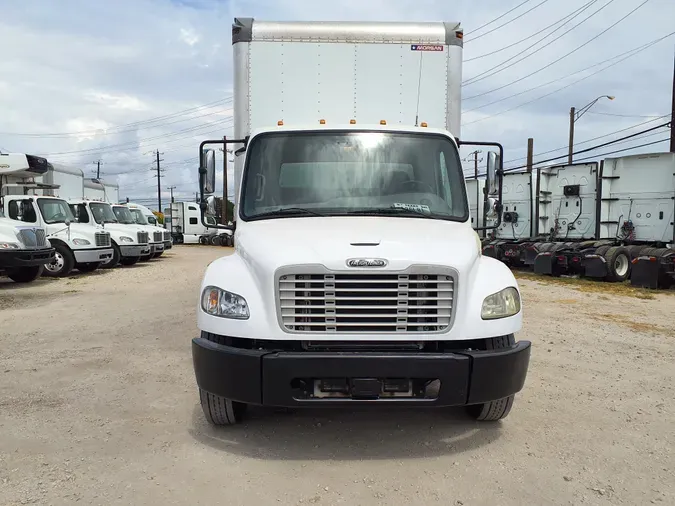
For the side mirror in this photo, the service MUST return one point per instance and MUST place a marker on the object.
(211, 206)
(209, 171)
(493, 164)
(67, 223)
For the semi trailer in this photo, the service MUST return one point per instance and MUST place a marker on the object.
(356, 277)
(612, 220)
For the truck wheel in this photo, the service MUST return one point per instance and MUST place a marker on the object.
(126, 261)
(63, 263)
(618, 264)
(25, 274)
(499, 409)
(146, 257)
(114, 260)
(221, 411)
(158, 254)
(88, 267)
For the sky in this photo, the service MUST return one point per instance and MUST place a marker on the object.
(83, 81)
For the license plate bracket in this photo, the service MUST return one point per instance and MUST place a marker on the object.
(366, 388)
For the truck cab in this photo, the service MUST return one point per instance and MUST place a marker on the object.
(124, 216)
(129, 242)
(24, 250)
(77, 246)
(146, 217)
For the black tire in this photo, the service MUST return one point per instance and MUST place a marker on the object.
(494, 410)
(214, 240)
(203, 240)
(221, 411)
(88, 267)
(618, 264)
(63, 264)
(146, 258)
(127, 261)
(115, 260)
(25, 274)
(158, 254)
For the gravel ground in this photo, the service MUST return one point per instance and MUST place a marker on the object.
(98, 404)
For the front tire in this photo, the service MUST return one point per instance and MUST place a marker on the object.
(219, 410)
(25, 274)
(126, 261)
(114, 260)
(63, 263)
(499, 409)
(88, 267)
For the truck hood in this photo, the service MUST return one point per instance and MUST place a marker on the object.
(331, 241)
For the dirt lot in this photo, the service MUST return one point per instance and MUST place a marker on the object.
(98, 405)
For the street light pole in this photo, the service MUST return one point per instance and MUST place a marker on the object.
(574, 117)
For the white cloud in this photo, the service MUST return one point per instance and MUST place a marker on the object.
(88, 66)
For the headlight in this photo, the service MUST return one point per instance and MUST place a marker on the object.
(9, 245)
(124, 238)
(81, 242)
(225, 304)
(501, 304)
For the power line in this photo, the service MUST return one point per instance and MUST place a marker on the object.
(589, 140)
(509, 21)
(499, 17)
(635, 50)
(485, 74)
(562, 88)
(622, 150)
(562, 57)
(593, 148)
(93, 132)
(504, 48)
(627, 115)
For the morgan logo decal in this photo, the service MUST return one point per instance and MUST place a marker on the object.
(426, 47)
(366, 262)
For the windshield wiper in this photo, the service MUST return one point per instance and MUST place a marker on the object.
(287, 211)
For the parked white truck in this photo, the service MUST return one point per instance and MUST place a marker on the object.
(124, 216)
(357, 278)
(146, 217)
(130, 242)
(24, 250)
(25, 198)
(184, 221)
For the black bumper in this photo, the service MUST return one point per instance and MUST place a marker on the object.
(271, 378)
(26, 258)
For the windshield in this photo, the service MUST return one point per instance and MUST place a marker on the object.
(340, 173)
(138, 217)
(123, 215)
(102, 213)
(55, 210)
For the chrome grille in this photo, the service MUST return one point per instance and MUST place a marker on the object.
(33, 238)
(157, 236)
(416, 301)
(102, 239)
(143, 237)
(167, 236)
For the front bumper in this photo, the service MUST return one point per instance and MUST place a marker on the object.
(272, 378)
(157, 247)
(26, 258)
(86, 256)
(167, 245)
(135, 250)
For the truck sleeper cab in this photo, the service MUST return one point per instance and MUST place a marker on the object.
(356, 279)
(126, 216)
(129, 242)
(24, 250)
(76, 246)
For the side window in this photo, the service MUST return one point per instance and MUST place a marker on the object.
(80, 212)
(152, 220)
(192, 208)
(22, 210)
(193, 221)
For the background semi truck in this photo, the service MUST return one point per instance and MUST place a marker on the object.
(357, 278)
(184, 221)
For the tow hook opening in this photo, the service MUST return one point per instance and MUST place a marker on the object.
(365, 388)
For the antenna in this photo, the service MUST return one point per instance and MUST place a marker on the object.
(419, 88)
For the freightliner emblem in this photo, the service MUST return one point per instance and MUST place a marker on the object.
(366, 262)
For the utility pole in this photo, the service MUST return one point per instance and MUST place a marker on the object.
(159, 180)
(571, 146)
(171, 189)
(530, 154)
(672, 115)
(98, 168)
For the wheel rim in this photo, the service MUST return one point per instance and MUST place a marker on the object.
(106, 261)
(57, 264)
(621, 265)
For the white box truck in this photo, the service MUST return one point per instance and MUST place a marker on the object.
(28, 196)
(356, 278)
